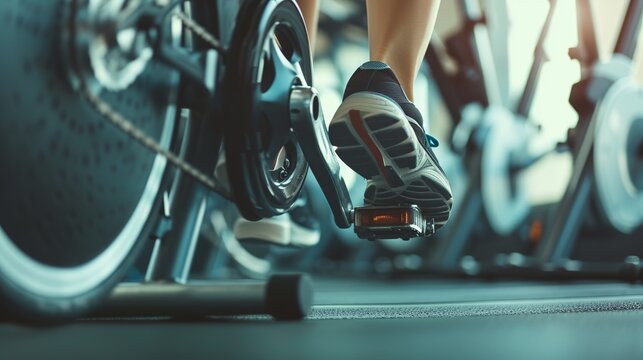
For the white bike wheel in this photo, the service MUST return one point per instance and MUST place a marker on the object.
(77, 196)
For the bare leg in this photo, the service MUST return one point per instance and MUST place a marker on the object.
(310, 11)
(399, 33)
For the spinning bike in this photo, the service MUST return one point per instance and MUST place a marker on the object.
(494, 230)
(602, 200)
(111, 129)
(604, 196)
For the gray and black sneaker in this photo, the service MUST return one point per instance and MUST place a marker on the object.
(378, 133)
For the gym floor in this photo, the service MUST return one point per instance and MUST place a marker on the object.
(409, 319)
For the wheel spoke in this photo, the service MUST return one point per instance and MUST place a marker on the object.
(273, 102)
(284, 69)
(300, 74)
(287, 73)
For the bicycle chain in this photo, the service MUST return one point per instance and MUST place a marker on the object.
(199, 30)
(125, 125)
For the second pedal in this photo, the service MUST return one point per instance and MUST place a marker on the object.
(392, 222)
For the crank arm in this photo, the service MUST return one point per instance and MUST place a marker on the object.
(392, 222)
(308, 123)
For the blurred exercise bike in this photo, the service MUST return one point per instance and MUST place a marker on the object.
(496, 231)
(593, 232)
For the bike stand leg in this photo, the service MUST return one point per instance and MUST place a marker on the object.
(285, 297)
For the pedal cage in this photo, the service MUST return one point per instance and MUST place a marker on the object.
(392, 222)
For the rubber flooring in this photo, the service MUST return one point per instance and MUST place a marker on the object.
(365, 319)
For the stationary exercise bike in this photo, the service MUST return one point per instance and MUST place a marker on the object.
(111, 129)
(591, 233)
(596, 229)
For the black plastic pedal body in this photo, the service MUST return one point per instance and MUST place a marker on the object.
(392, 222)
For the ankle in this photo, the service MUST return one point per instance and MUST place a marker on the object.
(401, 72)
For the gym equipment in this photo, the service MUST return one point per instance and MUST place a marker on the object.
(122, 194)
(109, 52)
(601, 195)
(285, 297)
(601, 199)
(606, 147)
(618, 157)
(168, 290)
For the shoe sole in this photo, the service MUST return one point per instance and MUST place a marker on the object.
(277, 232)
(273, 231)
(374, 137)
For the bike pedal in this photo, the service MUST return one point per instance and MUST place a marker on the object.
(392, 222)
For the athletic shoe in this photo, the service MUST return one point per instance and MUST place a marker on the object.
(297, 228)
(378, 133)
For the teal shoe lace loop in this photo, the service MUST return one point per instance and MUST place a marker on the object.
(433, 142)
